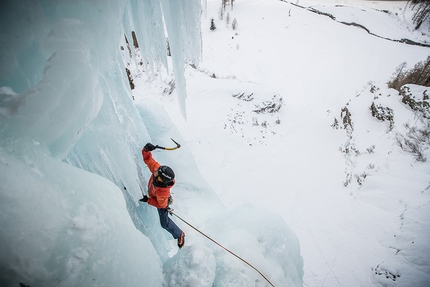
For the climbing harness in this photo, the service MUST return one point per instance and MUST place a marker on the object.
(170, 210)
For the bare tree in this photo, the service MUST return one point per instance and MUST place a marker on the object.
(221, 13)
(224, 4)
(422, 12)
(234, 24)
(419, 75)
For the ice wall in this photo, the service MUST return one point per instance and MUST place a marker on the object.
(65, 102)
(63, 226)
(71, 171)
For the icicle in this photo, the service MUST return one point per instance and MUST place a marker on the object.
(182, 20)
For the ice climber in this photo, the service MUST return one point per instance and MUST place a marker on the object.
(160, 182)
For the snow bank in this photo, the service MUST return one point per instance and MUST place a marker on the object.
(258, 241)
(193, 266)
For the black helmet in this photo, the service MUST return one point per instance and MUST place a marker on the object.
(166, 174)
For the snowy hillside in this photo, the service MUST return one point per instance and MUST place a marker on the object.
(357, 202)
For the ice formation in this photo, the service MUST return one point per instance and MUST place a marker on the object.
(70, 166)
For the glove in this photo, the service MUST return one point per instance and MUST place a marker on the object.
(144, 199)
(170, 201)
(149, 147)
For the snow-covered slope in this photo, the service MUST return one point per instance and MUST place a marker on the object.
(358, 203)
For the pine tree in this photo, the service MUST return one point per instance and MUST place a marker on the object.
(213, 27)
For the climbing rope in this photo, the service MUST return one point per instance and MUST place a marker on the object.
(172, 213)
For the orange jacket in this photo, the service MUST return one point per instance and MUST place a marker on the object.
(158, 196)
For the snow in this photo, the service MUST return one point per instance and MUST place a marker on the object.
(352, 235)
(195, 266)
(385, 20)
(305, 202)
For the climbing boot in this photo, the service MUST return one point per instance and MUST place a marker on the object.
(181, 240)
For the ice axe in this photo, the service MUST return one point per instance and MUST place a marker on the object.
(169, 148)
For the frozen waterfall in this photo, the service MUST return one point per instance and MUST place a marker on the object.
(71, 170)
